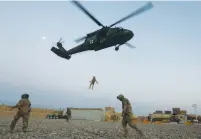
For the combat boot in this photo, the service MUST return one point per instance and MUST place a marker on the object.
(125, 132)
(125, 135)
(141, 133)
(11, 129)
(24, 130)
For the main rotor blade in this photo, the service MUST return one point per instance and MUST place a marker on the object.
(130, 45)
(87, 13)
(80, 39)
(142, 9)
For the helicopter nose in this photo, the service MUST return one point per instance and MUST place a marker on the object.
(129, 34)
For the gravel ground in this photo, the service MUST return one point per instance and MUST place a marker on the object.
(60, 129)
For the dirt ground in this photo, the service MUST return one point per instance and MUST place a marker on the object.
(40, 128)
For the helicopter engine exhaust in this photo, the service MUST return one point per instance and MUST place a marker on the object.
(60, 53)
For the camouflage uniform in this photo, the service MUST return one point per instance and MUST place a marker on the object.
(127, 115)
(92, 82)
(23, 112)
(68, 112)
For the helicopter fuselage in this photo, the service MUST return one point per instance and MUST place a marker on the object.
(97, 41)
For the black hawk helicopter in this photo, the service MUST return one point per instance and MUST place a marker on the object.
(102, 38)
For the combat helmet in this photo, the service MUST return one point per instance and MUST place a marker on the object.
(26, 96)
(120, 97)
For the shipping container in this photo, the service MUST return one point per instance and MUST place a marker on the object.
(96, 114)
(168, 112)
(175, 110)
(159, 112)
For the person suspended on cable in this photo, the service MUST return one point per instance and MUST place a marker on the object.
(92, 82)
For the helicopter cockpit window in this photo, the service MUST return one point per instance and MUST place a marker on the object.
(120, 29)
(88, 40)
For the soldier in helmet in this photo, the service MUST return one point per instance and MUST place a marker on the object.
(92, 82)
(68, 112)
(127, 115)
(24, 108)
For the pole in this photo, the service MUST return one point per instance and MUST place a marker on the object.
(195, 107)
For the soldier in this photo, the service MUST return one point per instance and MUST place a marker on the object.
(92, 82)
(68, 112)
(24, 108)
(127, 115)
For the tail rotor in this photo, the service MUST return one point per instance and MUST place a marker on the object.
(60, 42)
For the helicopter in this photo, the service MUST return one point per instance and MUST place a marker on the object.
(105, 37)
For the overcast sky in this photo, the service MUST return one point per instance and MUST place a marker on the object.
(161, 73)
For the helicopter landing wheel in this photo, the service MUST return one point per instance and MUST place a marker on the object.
(116, 48)
(68, 57)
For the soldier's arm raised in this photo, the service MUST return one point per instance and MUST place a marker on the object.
(18, 105)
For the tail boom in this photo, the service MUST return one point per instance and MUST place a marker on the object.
(60, 53)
